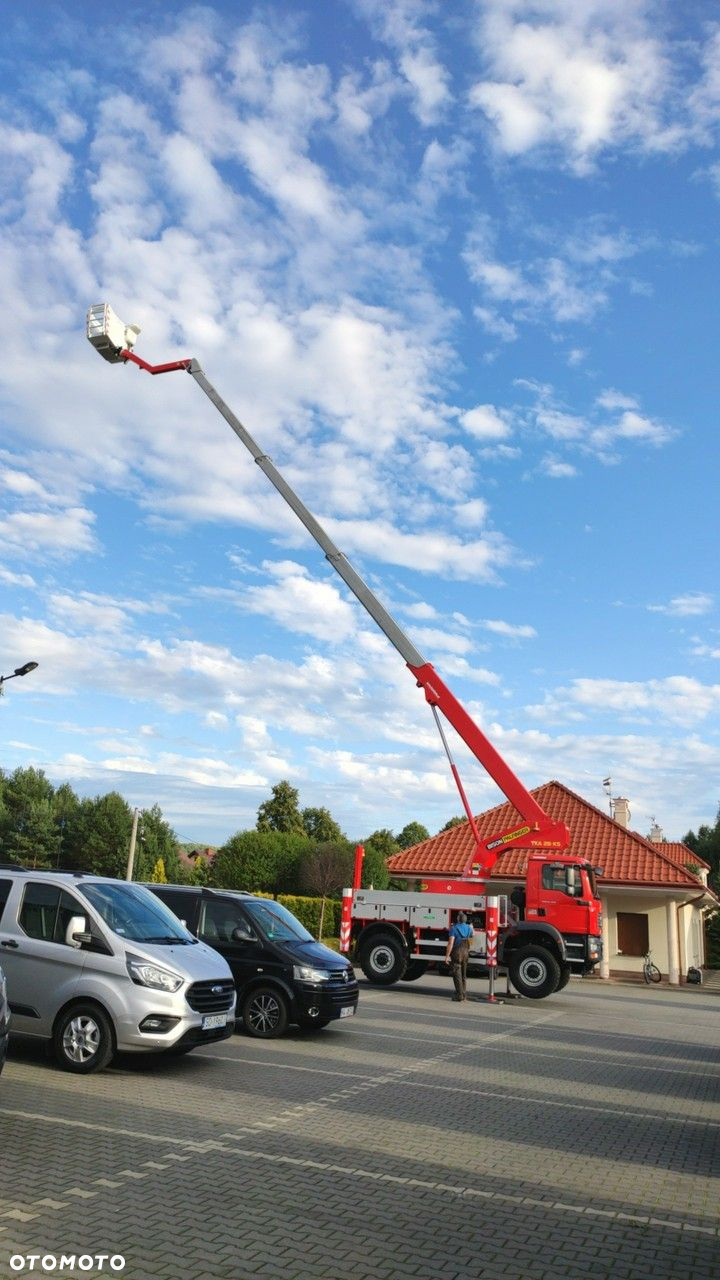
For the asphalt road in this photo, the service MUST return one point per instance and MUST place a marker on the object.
(572, 1137)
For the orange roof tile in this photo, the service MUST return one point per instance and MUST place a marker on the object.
(683, 856)
(625, 856)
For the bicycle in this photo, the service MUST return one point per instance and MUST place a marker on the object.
(651, 973)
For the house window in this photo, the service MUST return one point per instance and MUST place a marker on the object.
(633, 933)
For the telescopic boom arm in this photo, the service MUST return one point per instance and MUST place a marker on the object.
(537, 830)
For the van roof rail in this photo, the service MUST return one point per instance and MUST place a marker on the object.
(11, 866)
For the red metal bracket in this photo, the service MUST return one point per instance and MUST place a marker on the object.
(155, 368)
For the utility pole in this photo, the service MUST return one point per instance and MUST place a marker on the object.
(133, 839)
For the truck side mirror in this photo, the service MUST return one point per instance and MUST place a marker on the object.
(76, 933)
(571, 883)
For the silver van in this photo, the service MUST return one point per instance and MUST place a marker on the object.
(96, 966)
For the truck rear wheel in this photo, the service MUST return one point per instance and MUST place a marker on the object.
(415, 969)
(383, 960)
(534, 972)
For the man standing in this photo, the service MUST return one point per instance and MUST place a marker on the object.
(457, 952)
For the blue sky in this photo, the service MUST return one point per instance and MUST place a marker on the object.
(455, 267)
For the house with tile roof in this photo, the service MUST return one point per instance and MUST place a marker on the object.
(654, 893)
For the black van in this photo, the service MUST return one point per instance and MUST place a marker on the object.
(281, 973)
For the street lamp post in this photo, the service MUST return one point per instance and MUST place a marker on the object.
(19, 671)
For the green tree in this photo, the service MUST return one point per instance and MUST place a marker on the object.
(28, 831)
(325, 870)
(156, 839)
(260, 860)
(99, 839)
(320, 826)
(453, 822)
(379, 846)
(281, 812)
(202, 872)
(412, 833)
(157, 876)
(706, 844)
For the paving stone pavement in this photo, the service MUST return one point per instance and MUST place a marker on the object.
(573, 1137)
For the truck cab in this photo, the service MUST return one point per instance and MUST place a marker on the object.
(559, 900)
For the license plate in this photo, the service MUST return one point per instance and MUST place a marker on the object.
(214, 1020)
(348, 1011)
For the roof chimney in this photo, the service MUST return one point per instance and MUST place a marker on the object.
(657, 835)
(621, 811)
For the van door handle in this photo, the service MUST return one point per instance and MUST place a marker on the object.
(9, 943)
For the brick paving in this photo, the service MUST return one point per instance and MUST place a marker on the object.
(574, 1137)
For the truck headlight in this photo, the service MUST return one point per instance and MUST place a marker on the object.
(305, 973)
(146, 974)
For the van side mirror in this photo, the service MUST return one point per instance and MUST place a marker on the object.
(76, 933)
(241, 934)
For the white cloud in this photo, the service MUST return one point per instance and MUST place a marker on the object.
(678, 699)
(496, 324)
(579, 80)
(485, 422)
(557, 470)
(430, 551)
(34, 175)
(50, 533)
(471, 514)
(514, 631)
(399, 24)
(445, 641)
(692, 604)
(700, 650)
(563, 285)
(12, 579)
(420, 610)
(609, 424)
(302, 604)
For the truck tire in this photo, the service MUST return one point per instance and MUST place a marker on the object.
(415, 969)
(565, 975)
(383, 960)
(534, 972)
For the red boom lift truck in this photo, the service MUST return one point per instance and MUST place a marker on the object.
(555, 926)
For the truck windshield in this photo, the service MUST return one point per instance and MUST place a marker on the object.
(135, 913)
(276, 922)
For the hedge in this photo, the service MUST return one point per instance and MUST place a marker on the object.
(307, 911)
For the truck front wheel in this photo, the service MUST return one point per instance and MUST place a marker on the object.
(534, 972)
(565, 976)
(383, 960)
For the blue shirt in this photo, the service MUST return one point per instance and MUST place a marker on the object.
(461, 932)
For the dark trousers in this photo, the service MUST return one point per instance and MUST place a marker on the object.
(458, 964)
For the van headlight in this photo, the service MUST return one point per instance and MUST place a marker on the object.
(305, 973)
(146, 974)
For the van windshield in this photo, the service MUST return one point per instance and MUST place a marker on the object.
(276, 922)
(135, 913)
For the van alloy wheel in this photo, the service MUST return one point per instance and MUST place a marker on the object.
(265, 1013)
(83, 1039)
